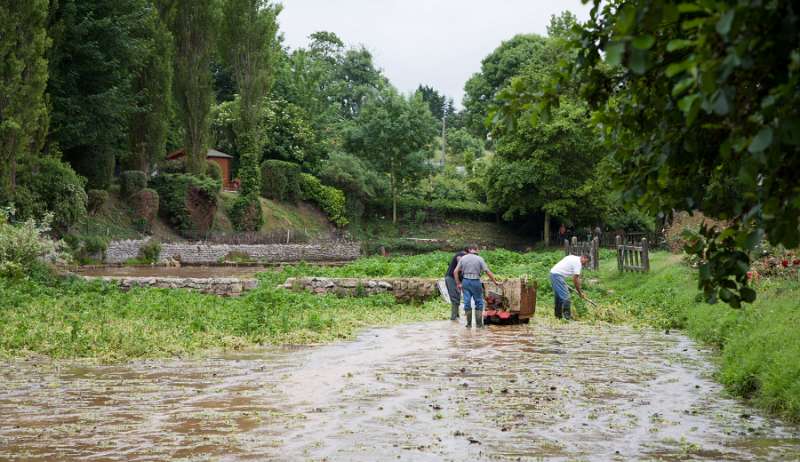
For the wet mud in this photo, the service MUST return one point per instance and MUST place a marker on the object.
(424, 392)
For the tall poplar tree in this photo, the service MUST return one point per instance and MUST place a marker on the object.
(249, 46)
(23, 78)
(193, 27)
(152, 85)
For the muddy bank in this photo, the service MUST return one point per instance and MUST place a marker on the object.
(431, 391)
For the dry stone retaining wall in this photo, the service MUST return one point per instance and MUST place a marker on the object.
(404, 289)
(227, 287)
(202, 253)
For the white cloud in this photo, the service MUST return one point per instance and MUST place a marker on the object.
(434, 42)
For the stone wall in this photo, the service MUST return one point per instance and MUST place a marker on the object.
(404, 289)
(226, 287)
(201, 253)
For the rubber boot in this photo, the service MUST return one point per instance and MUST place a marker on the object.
(479, 318)
(468, 314)
(566, 309)
(558, 309)
(454, 311)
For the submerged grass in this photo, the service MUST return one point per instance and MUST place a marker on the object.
(78, 319)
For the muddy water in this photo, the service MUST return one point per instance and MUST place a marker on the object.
(432, 391)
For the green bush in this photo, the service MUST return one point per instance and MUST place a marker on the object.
(214, 171)
(150, 251)
(173, 166)
(246, 214)
(188, 202)
(46, 184)
(144, 209)
(87, 250)
(280, 180)
(97, 199)
(131, 182)
(23, 244)
(328, 198)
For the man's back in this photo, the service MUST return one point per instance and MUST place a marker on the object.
(568, 266)
(471, 266)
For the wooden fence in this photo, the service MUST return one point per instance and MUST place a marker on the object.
(633, 257)
(590, 248)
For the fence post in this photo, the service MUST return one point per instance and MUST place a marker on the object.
(619, 252)
(595, 252)
(566, 247)
(645, 255)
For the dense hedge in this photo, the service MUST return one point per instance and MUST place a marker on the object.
(131, 182)
(280, 180)
(214, 171)
(328, 198)
(410, 209)
(97, 199)
(188, 202)
(47, 184)
(144, 208)
(246, 214)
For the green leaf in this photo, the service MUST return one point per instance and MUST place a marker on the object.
(682, 86)
(614, 52)
(725, 22)
(679, 44)
(625, 19)
(761, 141)
(685, 103)
(643, 42)
(638, 61)
(689, 8)
(719, 103)
(676, 68)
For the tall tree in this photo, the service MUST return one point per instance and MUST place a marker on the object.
(394, 134)
(152, 86)
(193, 26)
(497, 70)
(23, 78)
(97, 47)
(702, 113)
(249, 45)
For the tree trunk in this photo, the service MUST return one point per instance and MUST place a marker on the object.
(394, 198)
(546, 229)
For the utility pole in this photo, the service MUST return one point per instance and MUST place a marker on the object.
(444, 131)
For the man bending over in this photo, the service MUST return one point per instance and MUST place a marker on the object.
(568, 266)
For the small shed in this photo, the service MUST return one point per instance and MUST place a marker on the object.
(222, 159)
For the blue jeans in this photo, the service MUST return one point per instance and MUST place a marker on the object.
(561, 292)
(473, 289)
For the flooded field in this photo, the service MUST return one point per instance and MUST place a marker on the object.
(424, 392)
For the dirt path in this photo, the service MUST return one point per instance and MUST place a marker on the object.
(432, 391)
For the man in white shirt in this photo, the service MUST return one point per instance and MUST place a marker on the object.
(570, 265)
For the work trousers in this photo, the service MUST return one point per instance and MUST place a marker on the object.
(455, 296)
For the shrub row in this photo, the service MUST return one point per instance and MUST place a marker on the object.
(280, 180)
(328, 198)
(189, 202)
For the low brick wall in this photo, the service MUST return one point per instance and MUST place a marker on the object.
(202, 253)
(226, 287)
(404, 289)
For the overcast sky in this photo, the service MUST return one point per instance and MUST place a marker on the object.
(435, 42)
